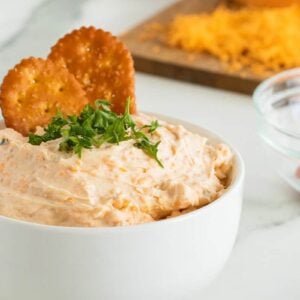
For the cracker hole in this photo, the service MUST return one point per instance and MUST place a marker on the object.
(61, 89)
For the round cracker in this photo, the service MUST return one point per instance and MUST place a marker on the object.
(101, 63)
(34, 90)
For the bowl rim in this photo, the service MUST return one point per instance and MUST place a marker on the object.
(259, 99)
(237, 181)
(268, 82)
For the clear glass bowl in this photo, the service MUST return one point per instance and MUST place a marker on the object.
(277, 101)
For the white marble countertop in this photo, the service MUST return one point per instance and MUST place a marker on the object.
(265, 262)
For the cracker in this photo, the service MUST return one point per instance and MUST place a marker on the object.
(101, 63)
(33, 91)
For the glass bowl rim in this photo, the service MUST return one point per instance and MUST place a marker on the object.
(259, 90)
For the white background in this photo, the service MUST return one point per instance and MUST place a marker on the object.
(265, 263)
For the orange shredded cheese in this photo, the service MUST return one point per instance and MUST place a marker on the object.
(263, 39)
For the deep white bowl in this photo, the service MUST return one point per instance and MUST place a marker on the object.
(168, 259)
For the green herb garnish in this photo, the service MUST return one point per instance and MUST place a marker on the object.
(152, 127)
(4, 141)
(95, 127)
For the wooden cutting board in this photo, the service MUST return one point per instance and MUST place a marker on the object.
(154, 57)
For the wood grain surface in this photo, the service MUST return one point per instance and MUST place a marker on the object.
(155, 57)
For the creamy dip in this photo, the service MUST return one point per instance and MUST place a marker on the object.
(111, 185)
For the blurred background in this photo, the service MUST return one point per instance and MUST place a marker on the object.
(265, 263)
(30, 27)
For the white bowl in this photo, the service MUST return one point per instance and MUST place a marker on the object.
(168, 259)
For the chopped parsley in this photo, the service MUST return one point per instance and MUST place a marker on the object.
(95, 127)
(4, 141)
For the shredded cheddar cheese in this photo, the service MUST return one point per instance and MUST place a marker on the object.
(262, 39)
